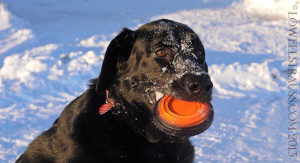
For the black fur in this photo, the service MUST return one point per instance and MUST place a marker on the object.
(131, 71)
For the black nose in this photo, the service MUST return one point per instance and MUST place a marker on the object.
(198, 84)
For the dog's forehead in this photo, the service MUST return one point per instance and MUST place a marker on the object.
(168, 32)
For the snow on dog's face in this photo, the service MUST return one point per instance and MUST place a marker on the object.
(167, 59)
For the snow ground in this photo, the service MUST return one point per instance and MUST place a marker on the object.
(49, 50)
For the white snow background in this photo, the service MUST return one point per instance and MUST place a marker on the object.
(50, 49)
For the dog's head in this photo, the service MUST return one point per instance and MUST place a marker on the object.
(159, 63)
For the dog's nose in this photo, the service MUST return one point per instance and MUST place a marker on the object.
(198, 84)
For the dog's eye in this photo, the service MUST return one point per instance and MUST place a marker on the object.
(161, 53)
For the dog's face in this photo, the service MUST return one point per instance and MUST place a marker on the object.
(160, 58)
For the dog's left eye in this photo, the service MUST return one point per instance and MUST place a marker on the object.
(161, 52)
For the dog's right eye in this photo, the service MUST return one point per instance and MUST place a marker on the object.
(161, 52)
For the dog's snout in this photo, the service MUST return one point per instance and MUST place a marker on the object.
(198, 84)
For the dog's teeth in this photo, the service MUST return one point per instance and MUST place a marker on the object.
(158, 95)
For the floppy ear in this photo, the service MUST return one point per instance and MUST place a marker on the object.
(118, 51)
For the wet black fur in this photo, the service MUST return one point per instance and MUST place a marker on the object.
(126, 133)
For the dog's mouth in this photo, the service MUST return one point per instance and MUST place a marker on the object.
(181, 118)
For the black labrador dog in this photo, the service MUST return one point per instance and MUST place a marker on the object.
(119, 119)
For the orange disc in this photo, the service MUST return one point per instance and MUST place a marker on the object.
(183, 113)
